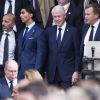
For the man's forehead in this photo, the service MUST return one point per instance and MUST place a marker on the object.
(8, 17)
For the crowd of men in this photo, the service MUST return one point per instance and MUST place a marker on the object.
(55, 50)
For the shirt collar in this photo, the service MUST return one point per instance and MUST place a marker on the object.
(10, 33)
(30, 26)
(96, 23)
(63, 26)
(8, 81)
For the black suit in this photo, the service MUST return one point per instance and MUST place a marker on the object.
(19, 4)
(38, 20)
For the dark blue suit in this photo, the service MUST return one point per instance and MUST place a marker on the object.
(4, 89)
(31, 52)
(65, 58)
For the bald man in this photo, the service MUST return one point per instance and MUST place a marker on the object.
(8, 41)
(9, 80)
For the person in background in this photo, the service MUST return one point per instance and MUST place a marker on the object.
(33, 91)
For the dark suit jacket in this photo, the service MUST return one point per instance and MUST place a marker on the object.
(83, 34)
(38, 19)
(31, 52)
(66, 57)
(4, 89)
(16, 48)
(71, 16)
(19, 4)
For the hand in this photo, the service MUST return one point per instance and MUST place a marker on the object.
(75, 77)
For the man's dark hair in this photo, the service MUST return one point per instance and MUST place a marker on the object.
(96, 8)
(31, 10)
(37, 89)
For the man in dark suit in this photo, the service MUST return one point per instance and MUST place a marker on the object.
(71, 13)
(17, 5)
(63, 51)
(8, 40)
(9, 80)
(91, 29)
(30, 45)
(36, 6)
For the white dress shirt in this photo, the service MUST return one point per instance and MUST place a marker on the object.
(7, 6)
(62, 30)
(15, 81)
(89, 30)
(33, 3)
(12, 44)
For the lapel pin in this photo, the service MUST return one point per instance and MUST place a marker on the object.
(67, 30)
(33, 30)
(69, 13)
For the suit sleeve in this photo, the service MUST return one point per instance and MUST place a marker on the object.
(77, 50)
(41, 54)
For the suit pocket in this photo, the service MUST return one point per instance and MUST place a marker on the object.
(30, 38)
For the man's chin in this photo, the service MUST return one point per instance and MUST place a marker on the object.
(4, 29)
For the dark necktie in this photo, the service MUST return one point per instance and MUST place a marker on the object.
(11, 86)
(59, 37)
(6, 49)
(10, 7)
(93, 2)
(91, 34)
(25, 35)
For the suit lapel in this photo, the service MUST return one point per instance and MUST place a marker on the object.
(65, 36)
(54, 36)
(84, 32)
(68, 12)
(4, 81)
(31, 32)
(97, 32)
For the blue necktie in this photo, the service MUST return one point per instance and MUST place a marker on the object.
(25, 35)
(59, 37)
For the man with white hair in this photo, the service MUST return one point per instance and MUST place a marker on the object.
(71, 13)
(9, 80)
(63, 51)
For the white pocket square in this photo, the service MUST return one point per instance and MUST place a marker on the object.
(30, 38)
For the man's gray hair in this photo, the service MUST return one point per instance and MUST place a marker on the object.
(58, 8)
